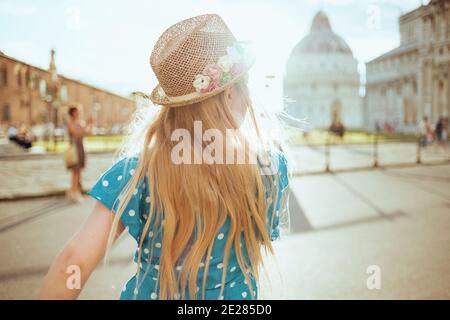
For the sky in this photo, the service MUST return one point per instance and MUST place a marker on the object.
(108, 43)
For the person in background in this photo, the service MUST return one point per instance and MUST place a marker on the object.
(441, 132)
(445, 131)
(24, 137)
(77, 131)
(12, 132)
(425, 132)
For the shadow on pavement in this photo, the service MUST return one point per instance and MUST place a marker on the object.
(298, 220)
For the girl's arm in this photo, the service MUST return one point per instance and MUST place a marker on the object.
(83, 253)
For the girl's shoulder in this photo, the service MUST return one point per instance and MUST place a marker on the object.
(111, 183)
(108, 188)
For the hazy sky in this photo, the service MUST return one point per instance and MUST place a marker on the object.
(108, 43)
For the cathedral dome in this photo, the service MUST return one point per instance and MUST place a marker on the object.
(322, 39)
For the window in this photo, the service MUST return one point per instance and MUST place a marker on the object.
(19, 77)
(42, 88)
(27, 78)
(6, 113)
(32, 83)
(64, 93)
(3, 76)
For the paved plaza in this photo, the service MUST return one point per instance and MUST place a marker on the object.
(396, 219)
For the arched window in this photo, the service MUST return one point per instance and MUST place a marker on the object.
(6, 113)
(64, 93)
(27, 78)
(42, 88)
(18, 74)
(3, 76)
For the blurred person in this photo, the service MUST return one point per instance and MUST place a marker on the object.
(199, 227)
(425, 132)
(23, 137)
(378, 127)
(441, 132)
(388, 127)
(337, 128)
(77, 131)
(445, 131)
(12, 132)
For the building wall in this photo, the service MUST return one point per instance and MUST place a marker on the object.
(413, 80)
(317, 85)
(24, 89)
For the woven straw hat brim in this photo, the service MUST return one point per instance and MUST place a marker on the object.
(156, 99)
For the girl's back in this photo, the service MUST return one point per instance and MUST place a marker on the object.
(144, 285)
(201, 191)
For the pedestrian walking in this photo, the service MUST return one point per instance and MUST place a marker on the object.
(199, 212)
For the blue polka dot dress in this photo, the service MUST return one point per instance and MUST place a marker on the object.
(107, 189)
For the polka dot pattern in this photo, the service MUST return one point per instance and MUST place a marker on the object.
(107, 190)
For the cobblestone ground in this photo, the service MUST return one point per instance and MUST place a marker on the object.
(395, 219)
(46, 174)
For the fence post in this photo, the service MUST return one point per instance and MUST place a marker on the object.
(327, 154)
(419, 151)
(375, 150)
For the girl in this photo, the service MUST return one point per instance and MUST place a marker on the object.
(200, 210)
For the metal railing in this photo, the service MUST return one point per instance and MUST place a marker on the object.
(370, 155)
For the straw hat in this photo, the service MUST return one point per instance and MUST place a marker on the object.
(195, 59)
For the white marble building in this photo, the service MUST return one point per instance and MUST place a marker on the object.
(321, 80)
(412, 80)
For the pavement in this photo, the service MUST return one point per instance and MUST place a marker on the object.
(44, 175)
(341, 224)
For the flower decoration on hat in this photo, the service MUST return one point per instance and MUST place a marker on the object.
(226, 69)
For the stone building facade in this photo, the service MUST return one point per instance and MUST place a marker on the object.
(33, 96)
(412, 80)
(321, 82)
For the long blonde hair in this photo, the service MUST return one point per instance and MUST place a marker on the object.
(196, 199)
